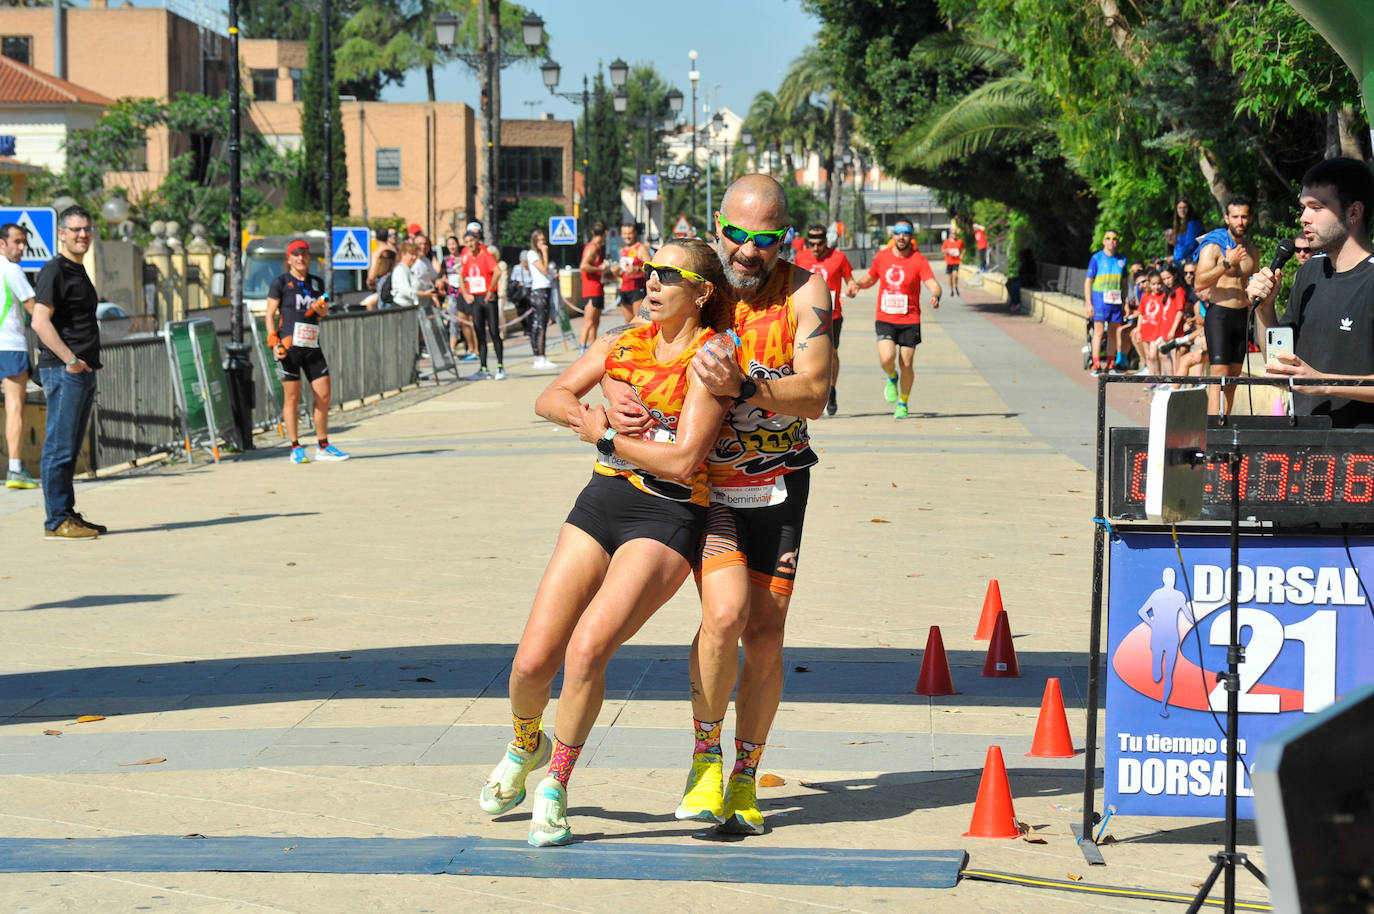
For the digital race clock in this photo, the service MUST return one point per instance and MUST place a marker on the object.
(1287, 476)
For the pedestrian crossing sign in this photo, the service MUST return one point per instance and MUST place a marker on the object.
(562, 230)
(350, 246)
(41, 224)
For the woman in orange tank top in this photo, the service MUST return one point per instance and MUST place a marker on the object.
(627, 545)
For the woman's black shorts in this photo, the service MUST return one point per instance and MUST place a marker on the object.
(612, 511)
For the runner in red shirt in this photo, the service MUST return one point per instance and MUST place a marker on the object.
(953, 249)
(481, 294)
(630, 269)
(902, 271)
(833, 266)
(593, 285)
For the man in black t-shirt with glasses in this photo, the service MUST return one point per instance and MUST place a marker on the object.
(1331, 307)
(68, 358)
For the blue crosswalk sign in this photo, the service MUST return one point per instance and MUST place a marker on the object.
(350, 246)
(562, 230)
(41, 224)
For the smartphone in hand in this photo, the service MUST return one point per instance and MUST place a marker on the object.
(1277, 340)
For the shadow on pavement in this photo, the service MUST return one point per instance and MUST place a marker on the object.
(104, 599)
(212, 522)
(831, 675)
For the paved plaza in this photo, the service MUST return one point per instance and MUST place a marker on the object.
(306, 654)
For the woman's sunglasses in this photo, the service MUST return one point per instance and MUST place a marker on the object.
(737, 235)
(670, 276)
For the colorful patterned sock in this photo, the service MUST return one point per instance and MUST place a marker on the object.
(747, 757)
(892, 378)
(902, 398)
(322, 443)
(708, 737)
(564, 757)
(527, 732)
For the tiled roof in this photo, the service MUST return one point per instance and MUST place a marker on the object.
(23, 85)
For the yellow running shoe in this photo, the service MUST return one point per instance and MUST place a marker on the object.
(702, 798)
(742, 816)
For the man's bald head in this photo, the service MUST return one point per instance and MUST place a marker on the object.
(756, 197)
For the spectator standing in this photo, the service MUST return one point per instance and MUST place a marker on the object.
(1103, 293)
(404, 293)
(425, 270)
(385, 243)
(541, 290)
(459, 308)
(593, 267)
(980, 241)
(16, 299)
(1187, 227)
(68, 359)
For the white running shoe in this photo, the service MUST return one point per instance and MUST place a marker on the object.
(505, 786)
(541, 363)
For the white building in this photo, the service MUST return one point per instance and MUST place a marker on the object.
(38, 111)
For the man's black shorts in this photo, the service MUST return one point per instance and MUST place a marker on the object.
(767, 540)
(612, 511)
(1225, 329)
(302, 359)
(907, 336)
(630, 299)
(951, 268)
(836, 326)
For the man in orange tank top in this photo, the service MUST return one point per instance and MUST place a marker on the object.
(779, 376)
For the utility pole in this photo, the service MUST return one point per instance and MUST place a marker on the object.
(237, 367)
(327, 53)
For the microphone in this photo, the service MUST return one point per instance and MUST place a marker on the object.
(1282, 254)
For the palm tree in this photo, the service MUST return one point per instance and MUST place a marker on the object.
(810, 76)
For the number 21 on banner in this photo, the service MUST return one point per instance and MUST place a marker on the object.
(1317, 633)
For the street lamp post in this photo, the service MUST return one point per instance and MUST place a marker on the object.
(693, 76)
(237, 368)
(489, 61)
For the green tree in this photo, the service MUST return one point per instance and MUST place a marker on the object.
(811, 77)
(196, 187)
(307, 190)
(519, 220)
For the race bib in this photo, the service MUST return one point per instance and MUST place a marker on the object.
(307, 335)
(453, 282)
(893, 303)
(477, 285)
(764, 496)
(1112, 297)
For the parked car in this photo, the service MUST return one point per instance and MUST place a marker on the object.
(265, 258)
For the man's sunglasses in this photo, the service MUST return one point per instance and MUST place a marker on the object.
(762, 240)
(816, 242)
(1298, 250)
(670, 276)
(902, 230)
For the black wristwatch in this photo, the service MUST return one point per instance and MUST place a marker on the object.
(605, 445)
(747, 388)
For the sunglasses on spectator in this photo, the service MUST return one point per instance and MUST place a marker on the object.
(902, 230)
(670, 276)
(1298, 250)
(737, 235)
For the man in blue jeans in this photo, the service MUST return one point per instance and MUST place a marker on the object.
(68, 358)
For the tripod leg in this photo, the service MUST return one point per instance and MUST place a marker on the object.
(1255, 871)
(1207, 884)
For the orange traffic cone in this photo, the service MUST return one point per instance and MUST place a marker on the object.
(993, 815)
(992, 605)
(934, 678)
(1001, 662)
(1052, 727)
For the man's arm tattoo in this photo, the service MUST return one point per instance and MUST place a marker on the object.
(826, 319)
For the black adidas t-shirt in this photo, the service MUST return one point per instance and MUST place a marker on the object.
(296, 296)
(63, 284)
(1332, 316)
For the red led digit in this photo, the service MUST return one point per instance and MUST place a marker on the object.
(1222, 469)
(1319, 482)
(1359, 487)
(1273, 477)
(1137, 489)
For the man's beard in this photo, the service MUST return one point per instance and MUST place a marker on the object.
(740, 281)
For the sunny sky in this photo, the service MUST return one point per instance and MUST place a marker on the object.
(742, 48)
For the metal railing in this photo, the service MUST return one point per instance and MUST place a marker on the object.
(369, 353)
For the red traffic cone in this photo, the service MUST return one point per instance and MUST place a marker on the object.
(992, 605)
(1052, 727)
(1001, 662)
(934, 678)
(993, 814)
